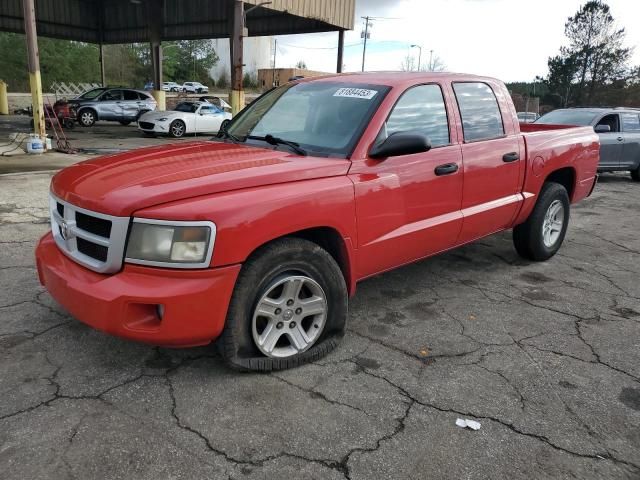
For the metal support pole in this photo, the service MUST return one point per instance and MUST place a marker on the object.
(102, 74)
(34, 68)
(155, 12)
(237, 92)
(431, 61)
(340, 51)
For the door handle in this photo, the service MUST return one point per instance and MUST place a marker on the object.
(446, 169)
(511, 157)
(620, 139)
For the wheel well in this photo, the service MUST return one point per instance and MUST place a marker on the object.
(95, 112)
(565, 177)
(330, 240)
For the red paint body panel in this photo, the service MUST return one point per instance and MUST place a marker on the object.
(386, 212)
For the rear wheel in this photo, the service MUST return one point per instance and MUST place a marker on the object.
(635, 174)
(124, 122)
(540, 237)
(288, 308)
(177, 129)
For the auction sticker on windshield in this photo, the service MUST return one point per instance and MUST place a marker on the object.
(355, 93)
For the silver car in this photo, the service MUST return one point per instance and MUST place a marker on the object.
(618, 129)
(122, 105)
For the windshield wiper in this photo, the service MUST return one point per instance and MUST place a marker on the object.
(271, 140)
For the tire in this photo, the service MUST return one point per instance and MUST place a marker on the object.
(124, 122)
(68, 123)
(184, 90)
(283, 264)
(87, 118)
(530, 239)
(635, 174)
(177, 129)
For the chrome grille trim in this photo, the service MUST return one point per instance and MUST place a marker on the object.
(69, 245)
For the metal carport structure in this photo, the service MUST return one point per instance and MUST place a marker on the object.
(128, 21)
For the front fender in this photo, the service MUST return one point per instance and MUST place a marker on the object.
(249, 218)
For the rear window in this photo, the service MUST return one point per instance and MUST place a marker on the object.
(631, 122)
(130, 95)
(481, 118)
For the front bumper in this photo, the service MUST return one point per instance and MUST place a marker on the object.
(125, 304)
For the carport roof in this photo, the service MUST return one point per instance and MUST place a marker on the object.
(127, 21)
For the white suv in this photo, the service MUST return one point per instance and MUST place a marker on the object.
(171, 87)
(194, 87)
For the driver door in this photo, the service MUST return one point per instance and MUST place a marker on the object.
(409, 206)
(109, 107)
(208, 119)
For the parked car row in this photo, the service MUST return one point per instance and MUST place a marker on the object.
(618, 129)
(186, 87)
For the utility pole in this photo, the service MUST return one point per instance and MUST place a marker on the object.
(431, 60)
(366, 36)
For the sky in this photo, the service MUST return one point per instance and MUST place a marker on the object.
(507, 39)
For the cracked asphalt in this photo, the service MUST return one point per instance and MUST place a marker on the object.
(546, 356)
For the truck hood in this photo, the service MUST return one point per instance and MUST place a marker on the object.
(122, 183)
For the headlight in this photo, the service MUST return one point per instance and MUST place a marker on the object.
(163, 119)
(171, 244)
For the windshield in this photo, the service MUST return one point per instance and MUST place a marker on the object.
(324, 118)
(92, 93)
(186, 107)
(568, 117)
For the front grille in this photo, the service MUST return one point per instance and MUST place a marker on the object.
(146, 125)
(92, 239)
(92, 250)
(95, 225)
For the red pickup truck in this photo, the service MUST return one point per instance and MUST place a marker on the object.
(257, 237)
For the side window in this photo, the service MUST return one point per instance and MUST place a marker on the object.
(131, 95)
(631, 122)
(111, 95)
(420, 109)
(481, 118)
(612, 120)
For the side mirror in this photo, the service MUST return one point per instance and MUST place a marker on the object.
(401, 143)
(602, 128)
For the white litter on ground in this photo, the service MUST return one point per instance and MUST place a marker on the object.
(466, 423)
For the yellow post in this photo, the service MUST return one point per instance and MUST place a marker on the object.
(34, 69)
(236, 99)
(4, 101)
(161, 98)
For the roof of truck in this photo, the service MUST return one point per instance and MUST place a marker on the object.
(396, 78)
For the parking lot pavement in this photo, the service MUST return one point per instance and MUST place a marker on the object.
(546, 356)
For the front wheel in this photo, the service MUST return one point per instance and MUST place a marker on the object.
(635, 174)
(540, 237)
(288, 308)
(124, 122)
(177, 129)
(87, 118)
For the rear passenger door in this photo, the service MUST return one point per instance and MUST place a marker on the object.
(631, 132)
(491, 159)
(611, 143)
(130, 104)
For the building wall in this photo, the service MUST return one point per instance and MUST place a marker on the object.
(273, 77)
(257, 53)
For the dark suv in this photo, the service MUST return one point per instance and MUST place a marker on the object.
(619, 131)
(122, 105)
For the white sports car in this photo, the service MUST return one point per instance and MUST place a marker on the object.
(187, 117)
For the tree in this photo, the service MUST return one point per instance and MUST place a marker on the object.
(408, 64)
(435, 64)
(189, 60)
(301, 65)
(595, 57)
